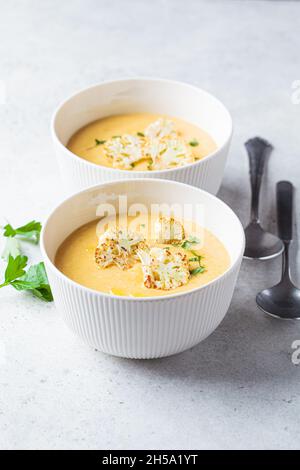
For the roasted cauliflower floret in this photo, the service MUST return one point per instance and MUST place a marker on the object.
(124, 151)
(164, 146)
(163, 269)
(175, 153)
(168, 230)
(168, 153)
(160, 145)
(160, 129)
(119, 247)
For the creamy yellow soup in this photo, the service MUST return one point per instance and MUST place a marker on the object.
(90, 141)
(76, 259)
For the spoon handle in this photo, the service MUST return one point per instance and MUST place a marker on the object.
(284, 190)
(258, 150)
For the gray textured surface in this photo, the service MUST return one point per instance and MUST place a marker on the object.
(239, 388)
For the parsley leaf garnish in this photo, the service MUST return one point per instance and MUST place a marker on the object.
(34, 280)
(194, 143)
(30, 231)
(14, 269)
(140, 134)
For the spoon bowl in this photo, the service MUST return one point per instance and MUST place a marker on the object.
(260, 244)
(283, 299)
(280, 301)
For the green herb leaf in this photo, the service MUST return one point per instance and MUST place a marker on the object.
(198, 270)
(199, 257)
(116, 136)
(189, 242)
(9, 231)
(14, 269)
(194, 259)
(12, 247)
(99, 142)
(36, 281)
(140, 134)
(194, 143)
(30, 231)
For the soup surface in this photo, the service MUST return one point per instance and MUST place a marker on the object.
(206, 255)
(141, 142)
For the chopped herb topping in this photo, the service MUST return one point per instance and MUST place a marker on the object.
(140, 134)
(189, 242)
(196, 259)
(99, 142)
(198, 270)
(194, 143)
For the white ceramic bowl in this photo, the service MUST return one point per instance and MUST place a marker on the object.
(142, 95)
(145, 327)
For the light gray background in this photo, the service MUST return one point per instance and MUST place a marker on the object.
(239, 388)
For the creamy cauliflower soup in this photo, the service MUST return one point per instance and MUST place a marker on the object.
(141, 142)
(142, 258)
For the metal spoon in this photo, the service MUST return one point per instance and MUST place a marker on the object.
(283, 300)
(259, 243)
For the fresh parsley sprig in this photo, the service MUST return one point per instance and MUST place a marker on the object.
(34, 280)
(30, 231)
(14, 269)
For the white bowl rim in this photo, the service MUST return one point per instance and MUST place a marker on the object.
(165, 297)
(137, 172)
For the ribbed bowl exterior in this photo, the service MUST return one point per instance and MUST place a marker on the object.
(79, 174)
(141, 328)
